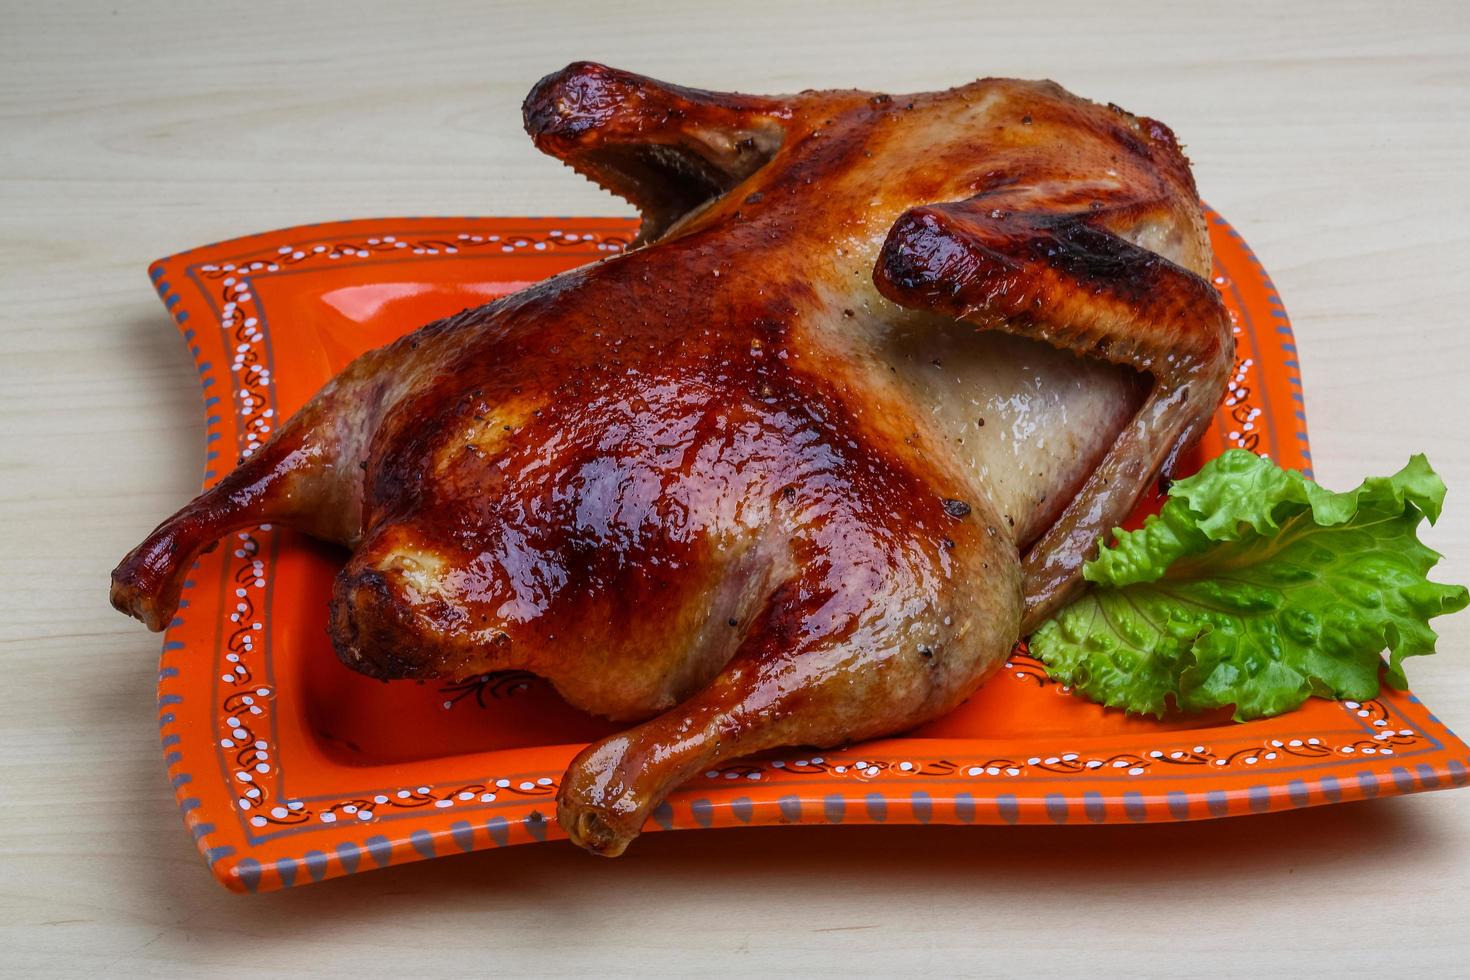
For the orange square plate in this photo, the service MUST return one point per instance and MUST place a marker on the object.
(290, 768)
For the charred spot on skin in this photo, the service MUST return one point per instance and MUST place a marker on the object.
(880, 100)
(949, 544)
(956, 508)
(1160, 133)
(927, 652)
(733, 621)
(1026, 120)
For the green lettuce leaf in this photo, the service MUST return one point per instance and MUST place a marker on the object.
(1255, 587)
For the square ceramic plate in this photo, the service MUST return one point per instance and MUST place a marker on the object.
(290, 768)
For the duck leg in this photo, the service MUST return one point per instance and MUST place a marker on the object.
(869, 637)
(305, 477)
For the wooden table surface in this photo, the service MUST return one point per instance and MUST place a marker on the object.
(1334, 136)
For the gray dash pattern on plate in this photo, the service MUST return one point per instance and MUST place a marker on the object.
(381, 850)
(1402, 780)
(923, 806)
(316, 865)
(1178, 805)
(1093, 806)
(1134, 807)
(349, 855)
(663, 815)
(248, 871)
(535, 824)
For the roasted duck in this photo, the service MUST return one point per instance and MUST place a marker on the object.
(800, 468)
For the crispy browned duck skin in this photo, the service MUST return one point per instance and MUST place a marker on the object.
(715, 484)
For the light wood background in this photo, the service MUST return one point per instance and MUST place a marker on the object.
(1334, 135)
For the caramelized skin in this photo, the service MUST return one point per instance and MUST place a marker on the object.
(769, 479)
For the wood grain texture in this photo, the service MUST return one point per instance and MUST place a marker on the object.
(1333, 135)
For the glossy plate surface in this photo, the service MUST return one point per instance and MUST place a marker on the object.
(289, 768)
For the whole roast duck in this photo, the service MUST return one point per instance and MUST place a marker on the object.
(799, 469)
